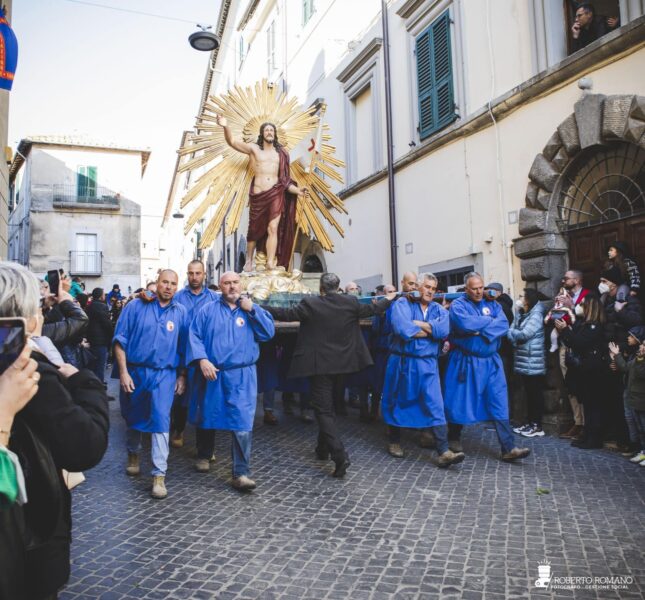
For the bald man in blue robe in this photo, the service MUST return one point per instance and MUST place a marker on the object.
(224, 343)
(192, 297)
(475, 384)
(412, 391)
(149, 345)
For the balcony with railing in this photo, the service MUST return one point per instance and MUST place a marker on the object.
(88, 196)
(86, 262)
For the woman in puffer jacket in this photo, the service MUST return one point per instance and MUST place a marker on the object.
(527, 336)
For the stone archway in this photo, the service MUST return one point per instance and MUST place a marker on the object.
(597, 120)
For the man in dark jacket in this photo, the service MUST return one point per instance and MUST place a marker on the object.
(99, 331)
(329, 344)
(65, 322)
(587, 27)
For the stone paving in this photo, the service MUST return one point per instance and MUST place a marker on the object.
(393, 528)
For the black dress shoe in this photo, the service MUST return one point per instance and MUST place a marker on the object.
(322, 454)
(341, 468)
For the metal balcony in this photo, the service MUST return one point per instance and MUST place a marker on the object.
(86, 263)
(66, 195)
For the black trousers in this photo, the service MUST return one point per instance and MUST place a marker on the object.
(322, 401)
(178, 416)
(534, 387)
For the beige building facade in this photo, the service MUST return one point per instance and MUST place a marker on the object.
(492, 117)
(76, 206)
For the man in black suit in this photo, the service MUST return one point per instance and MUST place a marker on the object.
(329, 345)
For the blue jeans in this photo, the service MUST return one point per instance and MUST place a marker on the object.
(240, 448)
(639, 420)
(503, 429)
(268, 400)
(100, 353)
(158, 446)
(630, 420)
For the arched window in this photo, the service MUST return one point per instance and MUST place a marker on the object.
(602, 184)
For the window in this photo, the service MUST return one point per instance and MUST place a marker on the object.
(590, 25)
(435, 77)
(308, 9)
(454, 278)
(86, 258)
(242, 51)
(271, 48)
(364, 142)
(86, 178)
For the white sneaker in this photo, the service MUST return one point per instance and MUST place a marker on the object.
(553, 348)
(533, 431)
(522, 428)
(639, 458)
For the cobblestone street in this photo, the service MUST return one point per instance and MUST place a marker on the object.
(391, 529)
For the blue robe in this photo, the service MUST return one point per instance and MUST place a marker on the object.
(267, 367)
(193, 303)
(229, 338)
(475, 385)
(412, 390)
(154, 339)
(380, 348)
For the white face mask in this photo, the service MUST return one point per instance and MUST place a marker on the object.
(603, 288)
(579, 310)
(519, 303)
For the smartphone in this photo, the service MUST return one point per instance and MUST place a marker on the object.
(12, 341)
(53, 278)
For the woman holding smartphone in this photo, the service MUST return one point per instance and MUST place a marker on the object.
(65, 426)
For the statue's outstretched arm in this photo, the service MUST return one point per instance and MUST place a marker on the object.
(238, 145)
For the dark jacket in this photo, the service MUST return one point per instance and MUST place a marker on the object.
(69, 418)
(65, 324)
(330, 340)
(100, 329)
(597, 28)
(588, 344)
(619, 322)
(635, 369)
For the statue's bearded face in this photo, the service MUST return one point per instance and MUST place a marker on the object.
(268, 134)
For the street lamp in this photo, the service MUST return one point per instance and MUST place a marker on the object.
(178, 215)
(203, 40)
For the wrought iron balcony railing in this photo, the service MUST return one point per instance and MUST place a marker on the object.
(89, 194)
(85, 262)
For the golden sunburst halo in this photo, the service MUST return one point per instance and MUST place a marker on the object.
(223, 177)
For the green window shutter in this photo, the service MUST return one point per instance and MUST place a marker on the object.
(81, 181)
(434, 77)
(92, 175)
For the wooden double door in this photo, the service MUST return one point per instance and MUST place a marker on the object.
(588, 247)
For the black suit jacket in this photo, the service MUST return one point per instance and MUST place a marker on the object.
(330, 340)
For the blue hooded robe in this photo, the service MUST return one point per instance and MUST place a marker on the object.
(412, 390)
(229, 338)
(475, 385)
(153, 338)
(381, 339)
(193, 303)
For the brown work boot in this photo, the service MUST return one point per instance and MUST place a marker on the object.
(515, 454)
(177, 439)
(270, 418)
(133, 464)
(159, 491)
(243, 483)
(395, 450)
(202, 465)
(449, 458)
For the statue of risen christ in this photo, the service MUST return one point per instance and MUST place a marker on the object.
(272, 197)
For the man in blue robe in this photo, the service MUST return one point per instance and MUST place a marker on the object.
(475, 385)
(224, 342)
(412, 391)
(192, 297)
(149, 345)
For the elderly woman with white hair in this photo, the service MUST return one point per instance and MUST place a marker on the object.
(65, 426)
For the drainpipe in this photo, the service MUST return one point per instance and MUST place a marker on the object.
(390, 150)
